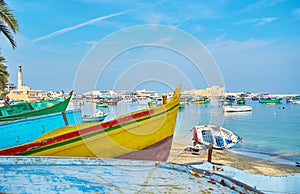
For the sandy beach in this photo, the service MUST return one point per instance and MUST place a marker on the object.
(230, 158)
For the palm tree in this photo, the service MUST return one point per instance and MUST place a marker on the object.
(3, 74)
(8, 23)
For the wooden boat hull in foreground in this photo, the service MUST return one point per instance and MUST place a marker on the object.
(94, 175)
(141, 135)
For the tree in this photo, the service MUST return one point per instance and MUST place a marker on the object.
(8, 23)
(3, 74)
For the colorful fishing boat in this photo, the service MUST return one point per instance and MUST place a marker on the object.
(31, 109)
(99, 116)
(95, 175)
(269, 100)
(142, 135)
(200, 101)
(218, 137)
(26, 130)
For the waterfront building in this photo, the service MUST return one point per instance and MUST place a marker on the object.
(25, 93)
(214, 91)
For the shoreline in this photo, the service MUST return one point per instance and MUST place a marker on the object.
(236, 160)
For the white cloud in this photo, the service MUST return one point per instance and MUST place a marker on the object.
(264, 21)
(68, 29)
(261, 4)
(257, 21)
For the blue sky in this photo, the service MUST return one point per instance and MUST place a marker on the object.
(255, 44)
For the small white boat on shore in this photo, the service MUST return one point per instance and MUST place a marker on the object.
(229, 108)
(219, 137)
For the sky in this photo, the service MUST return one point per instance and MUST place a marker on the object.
(250, 46)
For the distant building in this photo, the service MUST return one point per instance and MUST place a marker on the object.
(145, 93)
(214, 91)
(24, 92)
(10, 87)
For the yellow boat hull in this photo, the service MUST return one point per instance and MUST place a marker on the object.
(145, 135)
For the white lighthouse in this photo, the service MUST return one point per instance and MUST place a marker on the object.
(20, 78)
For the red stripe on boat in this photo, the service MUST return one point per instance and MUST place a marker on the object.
(103, 126)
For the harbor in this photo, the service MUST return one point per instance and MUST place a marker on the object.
(94, 125)
(149, 97)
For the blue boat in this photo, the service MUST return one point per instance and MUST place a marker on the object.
(95, 175)
(26, 130)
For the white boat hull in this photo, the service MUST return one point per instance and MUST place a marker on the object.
(237, 108)
(296, 101)
(219, 137)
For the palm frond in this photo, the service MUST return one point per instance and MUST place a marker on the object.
(2, 2)
(7, 34)
(8, 18)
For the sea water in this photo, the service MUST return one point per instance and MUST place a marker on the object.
(269, 132)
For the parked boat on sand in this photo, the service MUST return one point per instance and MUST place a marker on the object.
(31, 109)
(142, 135)
(219, 137)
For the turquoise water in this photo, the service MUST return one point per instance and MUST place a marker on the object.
(270, 132)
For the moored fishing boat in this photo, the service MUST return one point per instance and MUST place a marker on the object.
(26, 130)
(25, 110)
(102, 105)
(230, 108)
(219, 137)
(145, 135)
(296, 101)
(269, 100)
(240, 101)
(99, 116)
(271, 103)
(200, 101)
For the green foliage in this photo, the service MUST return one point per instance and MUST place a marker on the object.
(3, 74)
(3, 94)
(8, 23)
(8, 26)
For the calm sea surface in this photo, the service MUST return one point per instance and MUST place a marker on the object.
(269, 132)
